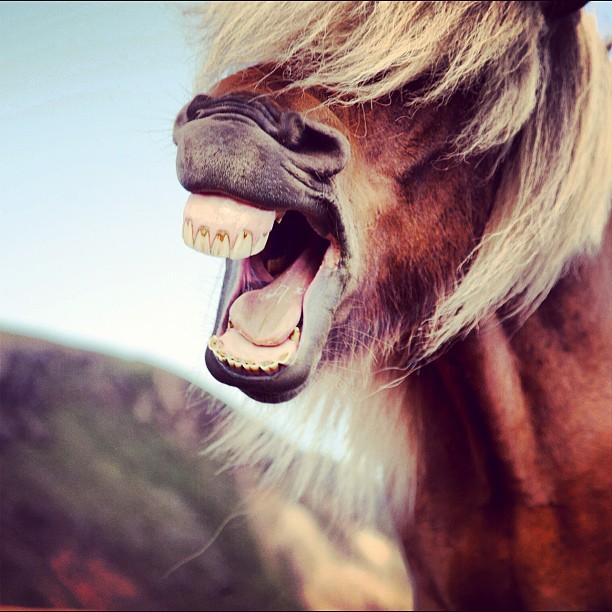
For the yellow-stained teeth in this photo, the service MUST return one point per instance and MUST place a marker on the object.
(216, 346)
(214, 343)
(221, 245)
(201, 242)
(260, 244)
(188, 233)
(295, 336)
(242, 246)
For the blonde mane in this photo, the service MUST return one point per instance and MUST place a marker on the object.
(543, 108)
(554, 122)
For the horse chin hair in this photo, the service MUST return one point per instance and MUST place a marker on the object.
(362, 472)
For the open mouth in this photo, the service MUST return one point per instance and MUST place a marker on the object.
(282, 286)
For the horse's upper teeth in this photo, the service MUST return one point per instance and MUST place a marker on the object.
(202, 242)
(223, 244)
(243, 246)
(260, 244)
(221, 226)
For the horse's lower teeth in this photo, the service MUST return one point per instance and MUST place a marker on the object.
(268, 366)
(250, 366)
(221, 245)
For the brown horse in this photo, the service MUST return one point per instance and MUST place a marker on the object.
(413, 199)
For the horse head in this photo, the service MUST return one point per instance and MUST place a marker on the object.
(325, 212)
(403, 193)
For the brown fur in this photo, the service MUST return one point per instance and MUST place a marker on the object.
(470, 358)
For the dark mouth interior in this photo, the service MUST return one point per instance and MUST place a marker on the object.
(288, 239)
(264, 322)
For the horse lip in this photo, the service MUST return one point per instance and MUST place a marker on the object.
(294, 179)
(328, 286)
(270, 388)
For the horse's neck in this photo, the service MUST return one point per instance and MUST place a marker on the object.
(563, 357)
(545, 391)
(515, 438)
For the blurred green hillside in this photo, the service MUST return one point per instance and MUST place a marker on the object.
(105, 501)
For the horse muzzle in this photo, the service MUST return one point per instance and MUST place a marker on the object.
(264, 197)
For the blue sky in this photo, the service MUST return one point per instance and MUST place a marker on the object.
(90, 208)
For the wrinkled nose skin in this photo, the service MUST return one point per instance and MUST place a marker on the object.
(248, 148)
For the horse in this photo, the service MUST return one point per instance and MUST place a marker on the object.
(413, 201)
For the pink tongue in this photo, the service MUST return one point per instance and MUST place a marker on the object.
(268, 316)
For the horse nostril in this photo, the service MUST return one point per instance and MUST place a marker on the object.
(327, 149)
(321, 148)
(313, 145)
(196, 105)
(291, 130)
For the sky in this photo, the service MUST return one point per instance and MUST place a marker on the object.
(90, 208)
(91, 253)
